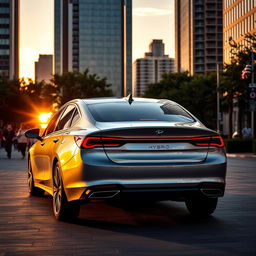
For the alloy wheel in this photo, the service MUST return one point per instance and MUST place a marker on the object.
(30, 177)
(57, 191)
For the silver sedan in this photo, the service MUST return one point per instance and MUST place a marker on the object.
(126, 149)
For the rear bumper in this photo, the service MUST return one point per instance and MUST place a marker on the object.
(178, 192)
(83, 174)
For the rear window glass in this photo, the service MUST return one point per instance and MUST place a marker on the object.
(139, 111)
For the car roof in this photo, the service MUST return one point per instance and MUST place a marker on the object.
(116, 100)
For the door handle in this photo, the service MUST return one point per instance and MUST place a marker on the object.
(55, 140)
(42, 144)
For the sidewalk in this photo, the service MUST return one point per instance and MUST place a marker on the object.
(16, 163)
(242, 155)
(15, 154)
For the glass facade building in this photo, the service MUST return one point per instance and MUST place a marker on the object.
(9, 47)
(199, 43)
(91, 34)
(57, 36)
(239, 19)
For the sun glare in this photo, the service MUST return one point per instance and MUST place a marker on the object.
(44, 117)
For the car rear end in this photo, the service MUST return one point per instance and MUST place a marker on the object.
(159, 155)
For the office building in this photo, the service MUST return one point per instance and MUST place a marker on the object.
(150, 69)
(239, 17)
(43, 68)
(9, 38)
(198, 28)
(96, 35)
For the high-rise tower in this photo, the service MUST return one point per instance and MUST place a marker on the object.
(96, 35)
(198, 28)
(239, 18)
(43, 68)
(150, 69)
(9, 38)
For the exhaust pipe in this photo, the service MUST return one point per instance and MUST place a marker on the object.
(212, 192)
(103, 194)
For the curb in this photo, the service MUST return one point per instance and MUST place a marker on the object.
(241, 155)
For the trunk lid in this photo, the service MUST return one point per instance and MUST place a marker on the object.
(149, 144)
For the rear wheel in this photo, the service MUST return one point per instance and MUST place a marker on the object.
(63, 210)
(33, 190)
(201, 207)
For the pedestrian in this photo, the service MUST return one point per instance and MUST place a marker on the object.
(22, 140)
(247, 132)
(8, 137)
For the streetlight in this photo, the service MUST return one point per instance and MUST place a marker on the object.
(218, 99)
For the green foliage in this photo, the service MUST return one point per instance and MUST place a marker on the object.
(80, 85)
(41, 94)
(239, 145)
(196, 93)
(254, 146)
(11, 100)
(231, 86)
(21, 101)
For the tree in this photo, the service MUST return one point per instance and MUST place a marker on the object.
(232, 88)
(80, 85)
(41, 94)
(11, 100)
(196, 93)
(22, 101)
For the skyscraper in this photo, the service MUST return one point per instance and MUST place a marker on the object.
(43, 68)
(198, 28)
(92, 34)
(150, 69)
(239, 19)
(9, 38)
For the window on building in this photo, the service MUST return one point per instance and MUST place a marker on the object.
(4, 31)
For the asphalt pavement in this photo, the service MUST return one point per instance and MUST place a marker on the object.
(27, 225)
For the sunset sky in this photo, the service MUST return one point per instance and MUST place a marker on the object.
(151, 20)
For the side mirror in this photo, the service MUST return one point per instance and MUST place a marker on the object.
(33, 134)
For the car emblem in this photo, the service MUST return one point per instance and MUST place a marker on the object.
(159, 132)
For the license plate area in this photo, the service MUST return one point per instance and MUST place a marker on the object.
(148, 153)
(168, 146)
(161, 146)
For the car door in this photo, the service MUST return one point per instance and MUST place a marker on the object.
(39, 160)
(68, 147)
(54, 141)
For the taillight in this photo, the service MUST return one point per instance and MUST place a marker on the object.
(91, 142)
(216, 141)
(95, 142)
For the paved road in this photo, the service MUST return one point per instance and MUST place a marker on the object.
(27, 226)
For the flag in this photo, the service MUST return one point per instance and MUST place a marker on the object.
(246, 72)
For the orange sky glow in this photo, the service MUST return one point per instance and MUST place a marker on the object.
(151, 20)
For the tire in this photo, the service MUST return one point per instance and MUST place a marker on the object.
(33, 190)
(202, 206)
(62, 209)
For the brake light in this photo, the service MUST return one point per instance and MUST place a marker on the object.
(94, 142)
(216, 141)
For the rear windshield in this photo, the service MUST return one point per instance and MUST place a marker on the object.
(139, 111)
